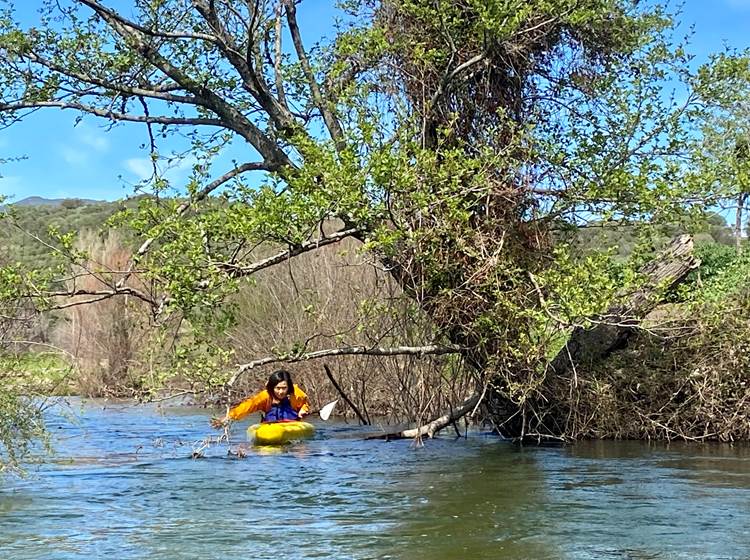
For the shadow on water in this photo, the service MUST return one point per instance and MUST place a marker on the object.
(123, 483)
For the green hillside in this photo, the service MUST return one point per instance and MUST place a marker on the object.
(25, 232)
(26, 237)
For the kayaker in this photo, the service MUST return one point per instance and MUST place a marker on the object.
(280, 401)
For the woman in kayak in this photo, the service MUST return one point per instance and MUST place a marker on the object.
(280, 401)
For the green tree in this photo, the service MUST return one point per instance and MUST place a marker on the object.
(723, 153)
(21, 420)
(455, 141)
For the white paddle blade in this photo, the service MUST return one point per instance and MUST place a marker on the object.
(325, 412)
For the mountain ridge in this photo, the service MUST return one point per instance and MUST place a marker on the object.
(42, 201)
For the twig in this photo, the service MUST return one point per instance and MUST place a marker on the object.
(344, 396)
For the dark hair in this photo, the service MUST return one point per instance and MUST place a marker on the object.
(276, 378)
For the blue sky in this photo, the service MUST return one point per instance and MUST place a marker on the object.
(92, 161)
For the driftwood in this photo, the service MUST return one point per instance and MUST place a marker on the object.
(610, 333)
(437, 424)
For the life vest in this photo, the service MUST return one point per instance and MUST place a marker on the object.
(281, 412)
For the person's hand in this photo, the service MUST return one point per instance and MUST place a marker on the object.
(219, 422)
(303, 413)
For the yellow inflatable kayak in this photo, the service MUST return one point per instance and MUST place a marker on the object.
(277, 433)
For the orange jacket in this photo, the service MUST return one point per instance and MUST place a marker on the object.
(262, 401)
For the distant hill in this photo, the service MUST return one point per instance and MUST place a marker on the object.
(34, 217)
(41, 201)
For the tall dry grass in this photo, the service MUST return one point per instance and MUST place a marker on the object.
(333, 298)
(328, 298)
(107, 339)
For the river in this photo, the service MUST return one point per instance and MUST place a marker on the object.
(123, 483)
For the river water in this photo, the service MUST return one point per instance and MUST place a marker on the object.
(123, 483)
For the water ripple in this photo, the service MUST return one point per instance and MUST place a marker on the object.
(124, 483)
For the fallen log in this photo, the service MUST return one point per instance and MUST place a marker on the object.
(617, 325)
(548, 414)
(437, 424)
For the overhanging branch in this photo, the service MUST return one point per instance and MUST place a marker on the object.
(253, 80)
(185, 206)
(240, 271)
(429, 350)
(98, 295)
(332, 123)
(163, 93)
(234, 271)
(232, 118)
(113, 115)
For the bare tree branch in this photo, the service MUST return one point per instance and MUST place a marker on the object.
(346, 351)
(157, 92)
(332, 123)
(232, 118)
(278, 57)
(252, 80)
(237, 272)
(100, 295)
(113, 115)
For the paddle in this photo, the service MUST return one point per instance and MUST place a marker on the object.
(325, 412)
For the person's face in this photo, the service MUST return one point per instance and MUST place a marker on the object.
(281, 390)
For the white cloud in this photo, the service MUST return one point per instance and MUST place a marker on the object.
(91, 138)
(140, 167)
(75, 156)
(174, 172)
(86, 141)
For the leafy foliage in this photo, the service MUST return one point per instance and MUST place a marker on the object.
(22, 432)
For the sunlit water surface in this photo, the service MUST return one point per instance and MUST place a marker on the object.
(123, 485)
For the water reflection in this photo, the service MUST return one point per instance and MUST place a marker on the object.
(123, 483)
(489, 504)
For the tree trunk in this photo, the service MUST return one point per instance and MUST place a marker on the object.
(585, 346)
(548, 414)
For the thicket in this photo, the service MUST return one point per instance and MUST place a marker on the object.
(686, 375)
(116, 347)
(336, 297)
(109, 341)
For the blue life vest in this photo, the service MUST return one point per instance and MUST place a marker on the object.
(281, 412)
